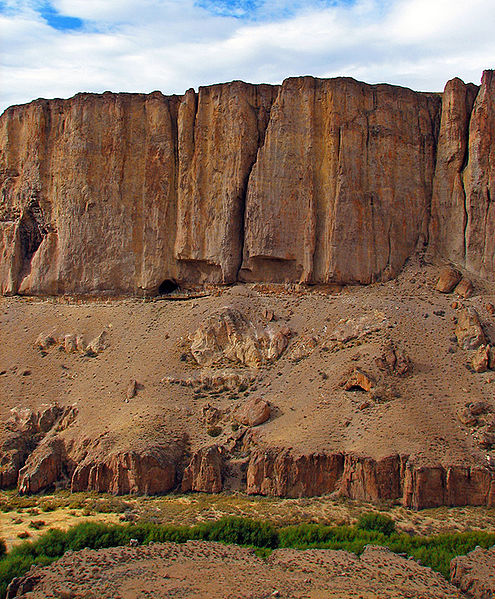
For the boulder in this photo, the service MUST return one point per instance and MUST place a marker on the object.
(253, 412)
(98, 344)
(481, 359)
(469, 332)
(394, 361)
(465, 288)
(448, 279)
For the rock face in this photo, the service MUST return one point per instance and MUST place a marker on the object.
(394, 477)
(342, 208)
(120, 193)
(462, 224)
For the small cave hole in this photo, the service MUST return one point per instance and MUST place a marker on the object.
(356, 388)
(167, 287)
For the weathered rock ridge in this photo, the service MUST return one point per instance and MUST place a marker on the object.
(312, 181)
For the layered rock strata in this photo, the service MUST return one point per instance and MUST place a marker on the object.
(270, 471)
(314, 181)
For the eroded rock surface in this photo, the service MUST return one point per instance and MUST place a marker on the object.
(474, 573)
(206, 569)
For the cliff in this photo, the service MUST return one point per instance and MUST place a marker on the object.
(312, 181)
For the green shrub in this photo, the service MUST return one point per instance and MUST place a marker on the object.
(3, 547)
(375, 521)
(435, 551)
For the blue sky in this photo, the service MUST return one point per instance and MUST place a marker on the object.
(55, 48)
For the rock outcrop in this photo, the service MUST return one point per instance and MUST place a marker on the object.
(272, 472)
(316, 180)
(474, 573)
(228, 336)
(462, 224)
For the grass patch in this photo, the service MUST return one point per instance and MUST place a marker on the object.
(434, 551)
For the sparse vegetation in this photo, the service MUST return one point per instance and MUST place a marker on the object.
(433, 551)
(375, 521)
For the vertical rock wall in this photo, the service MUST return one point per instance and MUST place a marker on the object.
(463, 217)
(312, 181)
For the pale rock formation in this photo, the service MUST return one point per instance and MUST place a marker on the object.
(469, 332)
(229, 336)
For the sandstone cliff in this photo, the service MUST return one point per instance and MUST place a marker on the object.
(313, 181)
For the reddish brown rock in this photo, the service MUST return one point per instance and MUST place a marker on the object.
(448, 279)
(358, 379)
(45, 466)
(204, 472)
(147, 471)
(465, 288)
(280, 472)
(474, 573)
(253, 412)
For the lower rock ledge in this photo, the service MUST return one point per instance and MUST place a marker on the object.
(395, 477)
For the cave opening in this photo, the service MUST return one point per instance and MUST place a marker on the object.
(167, 286)
(31, 231)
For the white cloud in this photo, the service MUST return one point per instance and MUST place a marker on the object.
(171, 45)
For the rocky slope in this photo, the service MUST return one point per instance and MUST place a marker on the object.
(205, 569)
(311, 181)
(377, 393)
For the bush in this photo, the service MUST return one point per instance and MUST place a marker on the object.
(375, 521)
(435, 552)
(3, 547)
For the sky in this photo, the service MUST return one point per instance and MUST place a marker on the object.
(56, 48)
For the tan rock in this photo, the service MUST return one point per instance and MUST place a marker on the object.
(98, 344)
(253, 412)
(469, 331)
(352, 328)
(448, 279)
(44, 341)
(70, 344)
(332, 216)
(463, 218)
(132, 389)
(448, 209)
(229, 336)
(465, 288)
(481, 359)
